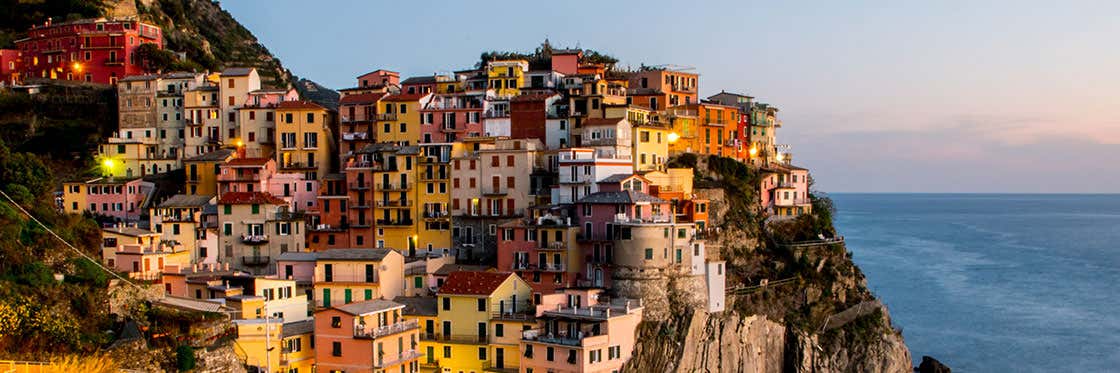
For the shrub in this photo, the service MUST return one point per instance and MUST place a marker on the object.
(184, 358)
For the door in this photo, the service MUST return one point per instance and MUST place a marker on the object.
(499, 358)
(429, 325)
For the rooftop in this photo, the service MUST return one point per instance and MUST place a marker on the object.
(293, 256)
(184, 200)
(418, 306)
(246, 198)
(237, 71)
(296, 105)
(473, 283)
(353, 254)
(369, 306)
(446, 269)
(620, 197)
(214, 156)
(361, 98)
(129, 231)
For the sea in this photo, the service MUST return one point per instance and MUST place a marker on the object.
(994, 282)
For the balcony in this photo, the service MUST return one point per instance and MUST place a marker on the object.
(403, 357)
(359, 186)
(436, 214)
(603, 142)
(578, 340)
(496, 114)
(374, 333)
(255, 260)
(456, 338)
(547, 267)
(393, 186)
(623, 219)
(792, 202)
(554, 246)
(328, 228)
(394, 222)
(387, 116)
(254, 239)
(300, 165)
(683, 88)
(114, 62)
(352, 136)
(360, 205)
(394, 203)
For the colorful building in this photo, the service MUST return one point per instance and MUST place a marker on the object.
(120, 198)
(256, 227)
(399, 122)
(544, 251)
(183, 218)
(344, 276)
(784, 191)
(506, 77)
(581, 331)
(88, 50)
(659, 88)
(306, 139)
(369, 336)
(202, 171)
(479, 315)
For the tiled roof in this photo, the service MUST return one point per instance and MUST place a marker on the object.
(618, 178)
(402, 97)
(237, 71)
(240, 162)
(293, 256)
(129, 231)
(295, 328)
(214, 156)
(369, 306)
(533, 97)
(184, 200)
(361, 98)
(602, 121)
(418, 306)
(623, 197)
(246, 198)
(446, 269)
(419, 80)
(643, 92)
(473, 283)
(133, 78)
(353, 254)
(299, 105)
(191, 304)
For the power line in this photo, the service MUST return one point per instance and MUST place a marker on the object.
(75, 249)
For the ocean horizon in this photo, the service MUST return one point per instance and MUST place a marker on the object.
(994, 281)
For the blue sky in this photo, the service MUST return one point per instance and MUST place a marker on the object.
(941, 96)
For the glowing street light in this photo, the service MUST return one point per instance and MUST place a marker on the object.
(673, 137)
(754, 152)
(76, 67)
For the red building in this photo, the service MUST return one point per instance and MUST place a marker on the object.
(88, 50)
(330, 223)
(527, 115)
(10, 65)
(544, 251)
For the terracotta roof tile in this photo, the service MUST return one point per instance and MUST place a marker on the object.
(247, 198)
(299, 105)
(400, 97)
(361, 98)
(473, 283)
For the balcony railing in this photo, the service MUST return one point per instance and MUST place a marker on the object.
(255, 260)
(387, 116)
(359, 186)
(394, 222)
(381, 331)
(254, 239)
(394, 203)
(562, 338)
(351, 136)
(393, 186)
(436, 214)
(405, 356)
(455, 338)
(557, 245)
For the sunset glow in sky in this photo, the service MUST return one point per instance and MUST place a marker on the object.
(942, 96)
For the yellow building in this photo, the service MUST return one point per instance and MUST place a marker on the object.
(306, 139)
(506, 77)
(434, 197)
(179, 219)
(480, 316)
(393, 171)
(288, 346)
(202, 171)
(122, 157)
(422, 310)
(344, 276)
(685, 136)
(399, 121)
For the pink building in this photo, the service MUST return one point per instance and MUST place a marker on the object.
(581, 331)
(784, 190)
(259, 174)
(542, 250)
(566, 61)
(147, 262)
(10, 64)
(451, 117)
(119, 198)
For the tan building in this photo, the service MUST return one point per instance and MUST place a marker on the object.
(256, 227)
(344, 276)
(306, 143)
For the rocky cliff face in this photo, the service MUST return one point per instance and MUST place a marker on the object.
(791, 308)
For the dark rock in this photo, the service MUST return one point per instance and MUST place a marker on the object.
(931, 365)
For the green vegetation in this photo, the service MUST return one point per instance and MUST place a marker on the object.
(37, 311)
(20, 15)
(184, 358)
(541, 58)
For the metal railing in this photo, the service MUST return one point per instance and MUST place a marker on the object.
(254, 239)
(381, 331)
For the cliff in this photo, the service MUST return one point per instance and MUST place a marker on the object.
(798, 307)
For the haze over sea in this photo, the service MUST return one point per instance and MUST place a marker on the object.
(994, 282)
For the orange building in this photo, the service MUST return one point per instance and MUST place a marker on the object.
(370, 336)
(660, 88)
(705, 128)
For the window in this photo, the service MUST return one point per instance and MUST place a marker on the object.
(310, 117)
(481, 304)
(446, 304)
(336, 322)
(336, 348)
(649, 253)
(447, 352)
(482, 353)
(499, 330)
(548, 354)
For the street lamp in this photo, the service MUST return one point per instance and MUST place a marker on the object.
(673, 137)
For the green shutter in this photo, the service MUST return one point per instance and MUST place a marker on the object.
(418, 282)
(256, 208)
(347, 296)
(326, 297)
(369, 294)
(227, 209)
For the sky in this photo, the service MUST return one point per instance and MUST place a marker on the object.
(888, 96)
